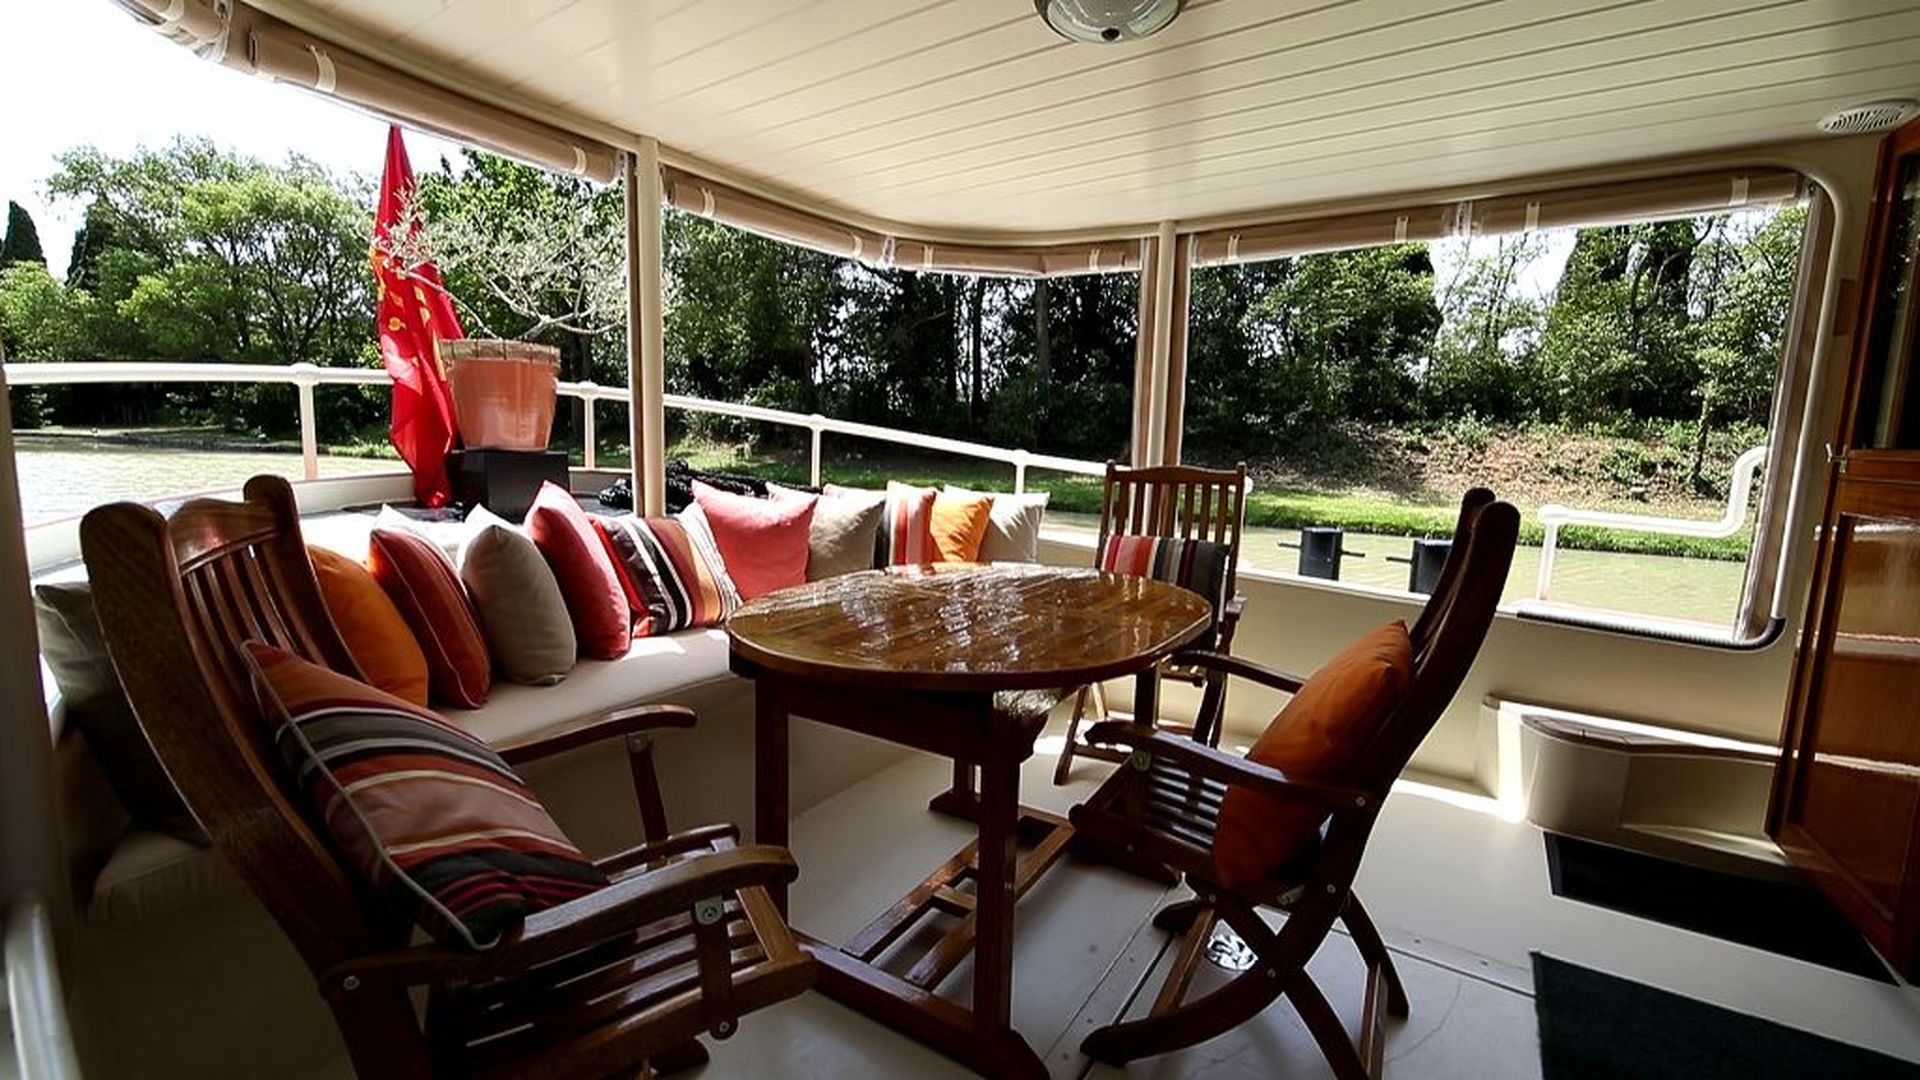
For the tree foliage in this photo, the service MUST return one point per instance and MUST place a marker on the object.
(193, 253)
(21, 242)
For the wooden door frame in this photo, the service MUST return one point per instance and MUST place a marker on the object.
(1852, 476)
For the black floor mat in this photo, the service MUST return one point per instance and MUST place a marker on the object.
(1595, 1026)
(1780, 917)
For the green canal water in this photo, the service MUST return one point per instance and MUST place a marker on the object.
(62, 476)
(1705, 590)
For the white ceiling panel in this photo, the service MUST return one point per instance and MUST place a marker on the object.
(970, 114)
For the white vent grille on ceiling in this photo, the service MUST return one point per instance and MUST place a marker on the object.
(1873, 116)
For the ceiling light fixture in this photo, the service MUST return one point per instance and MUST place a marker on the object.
(1103, 22)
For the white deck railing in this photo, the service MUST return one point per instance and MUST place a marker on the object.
(1553, 516)
(304, 377)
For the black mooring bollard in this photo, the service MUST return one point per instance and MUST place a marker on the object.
(1321, 551)
(1429, 556)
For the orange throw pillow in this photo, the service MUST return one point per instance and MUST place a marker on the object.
(375, 633)
(959, 523)
(1319, 735)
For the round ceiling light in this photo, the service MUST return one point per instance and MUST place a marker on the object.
(1103, 22)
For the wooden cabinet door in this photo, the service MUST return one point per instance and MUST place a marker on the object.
(1846, 798)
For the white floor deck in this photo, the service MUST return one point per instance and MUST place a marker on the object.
(1460, 893)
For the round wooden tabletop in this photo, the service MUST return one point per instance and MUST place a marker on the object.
(964, 627)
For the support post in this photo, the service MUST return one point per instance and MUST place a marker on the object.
(1549, 546)
(589, 438)
(1162, 355)
(1175, 424)
(309, 428)
(813, 471)
(646, 336)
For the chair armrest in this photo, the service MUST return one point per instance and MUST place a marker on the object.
(626, 904)
(591, 729)
(1246, 669)
(1212, 764)
(1229, 622)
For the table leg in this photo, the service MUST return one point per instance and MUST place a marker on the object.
(1146, 709)
(961, 800)
(770, 773)
(1146, 697)
(993, 945)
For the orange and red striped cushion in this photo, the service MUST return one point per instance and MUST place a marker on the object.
(423, 584)
(671, 571)
(906, 529)
(1196, 565)
(430, 816)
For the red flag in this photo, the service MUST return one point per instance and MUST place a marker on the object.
(414, 312)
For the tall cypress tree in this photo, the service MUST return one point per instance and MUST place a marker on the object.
(95, 235)
(22, 242)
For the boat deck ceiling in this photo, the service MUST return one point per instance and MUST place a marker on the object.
(971, 116)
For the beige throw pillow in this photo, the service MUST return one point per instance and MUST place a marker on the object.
(841, 539)
(1013, 528)
(521, 610)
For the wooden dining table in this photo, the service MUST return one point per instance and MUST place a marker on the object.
(964, 661)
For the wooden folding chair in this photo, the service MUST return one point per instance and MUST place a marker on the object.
(1163, 807)
(1178, 502)
(684, 939)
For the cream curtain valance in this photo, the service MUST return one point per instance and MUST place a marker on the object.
(1600, 204)
(242, 37)
(723, 203)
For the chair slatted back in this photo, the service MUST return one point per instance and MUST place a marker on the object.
(1181, 502)
(177, 596)
(1447, 635)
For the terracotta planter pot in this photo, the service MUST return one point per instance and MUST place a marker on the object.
(503, 392)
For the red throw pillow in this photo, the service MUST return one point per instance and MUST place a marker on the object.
(602, 621)
(762, 542)
(423, 584)
(1319, 735)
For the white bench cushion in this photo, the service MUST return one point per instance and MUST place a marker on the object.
(662, 669)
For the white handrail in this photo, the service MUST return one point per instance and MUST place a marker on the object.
(43, 1044)
(1730, 521)
(305, 377)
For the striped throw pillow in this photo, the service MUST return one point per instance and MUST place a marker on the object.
(906, 529)
(429, 816)
(1196, 565)
(671, 570)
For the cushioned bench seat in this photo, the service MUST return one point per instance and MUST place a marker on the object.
(678, 668)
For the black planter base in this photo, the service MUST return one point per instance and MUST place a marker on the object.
(503, 481)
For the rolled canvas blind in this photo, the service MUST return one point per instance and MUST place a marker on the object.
(1600, 204)
(246, 39)
(698, 195)
(1635, 200)
(1255, 243)
(729, 205)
